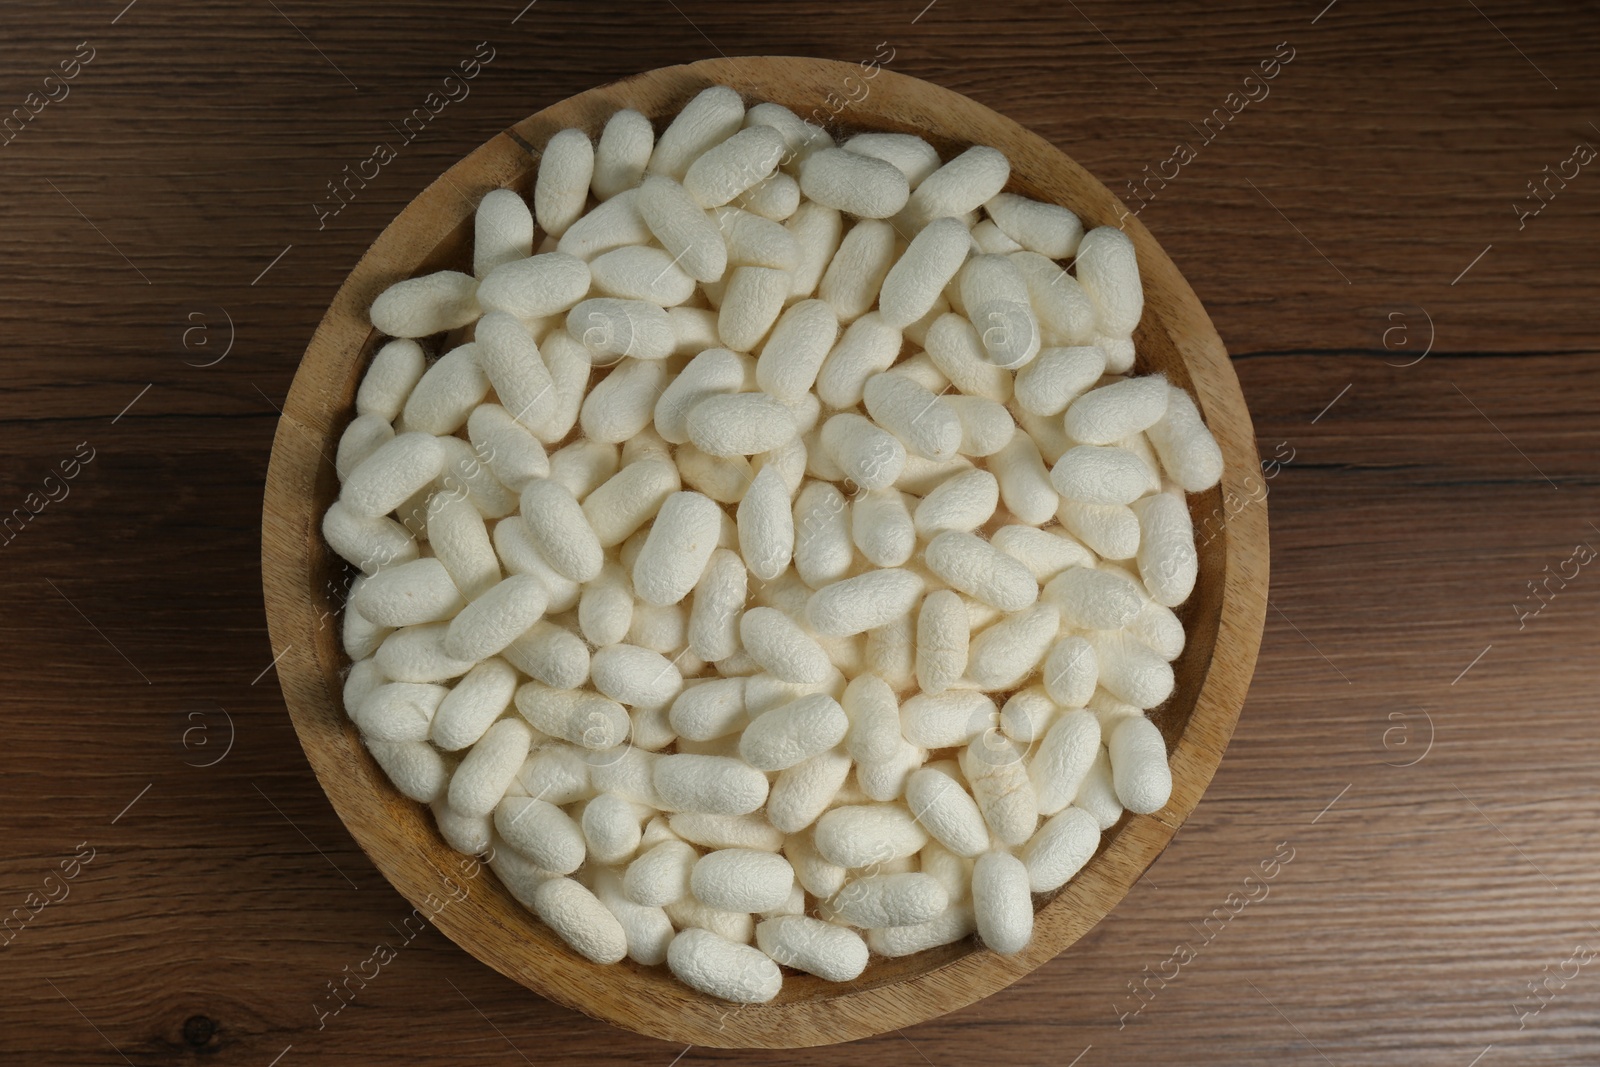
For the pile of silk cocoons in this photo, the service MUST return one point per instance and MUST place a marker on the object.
(776, 562)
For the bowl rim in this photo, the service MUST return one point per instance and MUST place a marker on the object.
(482, 917)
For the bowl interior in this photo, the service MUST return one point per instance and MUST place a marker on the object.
(305, 582)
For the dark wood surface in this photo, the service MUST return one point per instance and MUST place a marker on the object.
(1326, 225)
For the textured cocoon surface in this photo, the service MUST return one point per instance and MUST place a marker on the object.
(854, 183)
(433, 303)
(722, 968)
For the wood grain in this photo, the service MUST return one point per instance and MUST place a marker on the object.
(302, 578)
(1404, 529)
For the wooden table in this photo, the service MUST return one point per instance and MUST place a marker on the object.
(1416, 762)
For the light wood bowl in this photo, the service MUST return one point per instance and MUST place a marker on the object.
(304, 581)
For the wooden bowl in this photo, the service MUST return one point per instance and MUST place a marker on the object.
(304, 581)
